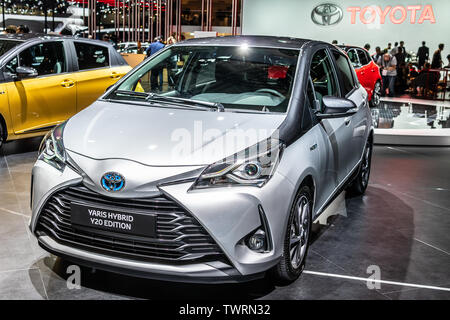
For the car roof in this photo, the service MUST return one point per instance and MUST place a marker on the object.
(258, 41)
(42, 36)
(347, 47)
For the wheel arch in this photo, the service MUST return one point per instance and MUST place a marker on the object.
(308, 180)
(5, 128)
(371, 135)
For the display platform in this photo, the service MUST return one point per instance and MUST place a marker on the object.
(404, 121)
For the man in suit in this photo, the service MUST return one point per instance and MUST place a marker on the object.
(423, 54)
(436, 62)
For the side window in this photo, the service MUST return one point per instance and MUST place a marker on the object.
(353, 57)
(368, 57)
(362, 57)
(46, 58)
(91, 56)
(310, 94)
(323, 77)
(345, 71)
(11, 66)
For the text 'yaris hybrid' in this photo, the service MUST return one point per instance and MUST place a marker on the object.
(217, 176)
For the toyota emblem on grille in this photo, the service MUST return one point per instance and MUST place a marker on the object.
(327, 14)
(112, 181)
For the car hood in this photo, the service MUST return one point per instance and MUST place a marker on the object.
(164, 136)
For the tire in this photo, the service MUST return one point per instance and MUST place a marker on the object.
(2, 134)
(360, 183)
(292, 263)
(375, 101)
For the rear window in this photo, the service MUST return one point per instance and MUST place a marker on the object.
(91, 56)
(363, 59)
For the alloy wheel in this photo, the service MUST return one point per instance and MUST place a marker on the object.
(299, 234)
(376, 94)
(365, 169)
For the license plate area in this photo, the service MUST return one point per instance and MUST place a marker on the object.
(113, 220)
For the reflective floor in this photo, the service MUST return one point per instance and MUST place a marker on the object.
(399, 113)
(400, 226)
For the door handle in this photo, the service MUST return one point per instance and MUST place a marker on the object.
(362, 72)
(347, 121)
(115, 75)
(67, 83)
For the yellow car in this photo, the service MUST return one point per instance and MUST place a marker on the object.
(44, 80)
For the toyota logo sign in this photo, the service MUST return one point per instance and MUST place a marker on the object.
(326, 14)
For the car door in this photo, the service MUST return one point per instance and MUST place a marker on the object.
(40, 102)
(364, 71)
(336, 131)
(96, 72)
(356, 123)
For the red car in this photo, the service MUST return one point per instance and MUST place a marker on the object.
(368, 72)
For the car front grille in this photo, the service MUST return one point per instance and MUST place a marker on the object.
(179, 236)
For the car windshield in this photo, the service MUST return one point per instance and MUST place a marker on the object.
(6, 45)
(235, 77)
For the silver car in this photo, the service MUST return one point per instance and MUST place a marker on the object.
(214, 175)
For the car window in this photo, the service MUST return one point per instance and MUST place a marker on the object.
(353, 57)
(362, 57)
(46, 58)
(11, 66)
(91, 56)
(323, 76)
(368, 57)
(311, 96)
(250, 78)
(345, 71)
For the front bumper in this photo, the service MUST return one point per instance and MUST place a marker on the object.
(211, 272)
(227, 214)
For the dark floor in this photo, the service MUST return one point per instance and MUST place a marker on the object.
(401, 225)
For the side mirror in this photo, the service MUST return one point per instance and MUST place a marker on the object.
(26, 72)
(109, 87)
(336, 107)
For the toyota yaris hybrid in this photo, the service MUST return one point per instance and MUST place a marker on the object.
(215, 178)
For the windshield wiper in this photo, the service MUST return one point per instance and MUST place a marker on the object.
(158, 97)
(179, 101)
(131, 93)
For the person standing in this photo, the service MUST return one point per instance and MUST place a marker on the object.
(394, 49)
(171, 40)
(377, 54)
(423, 54)
(367, 46)
(388, 65)
(157, 72)
(436, 63)
(23, 29)
(11, 29)
(388, 49)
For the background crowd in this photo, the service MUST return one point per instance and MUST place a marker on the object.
(416, 73)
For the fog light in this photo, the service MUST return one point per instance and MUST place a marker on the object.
(257, 241)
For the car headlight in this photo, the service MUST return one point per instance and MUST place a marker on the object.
(253, 166)
(52, 149)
